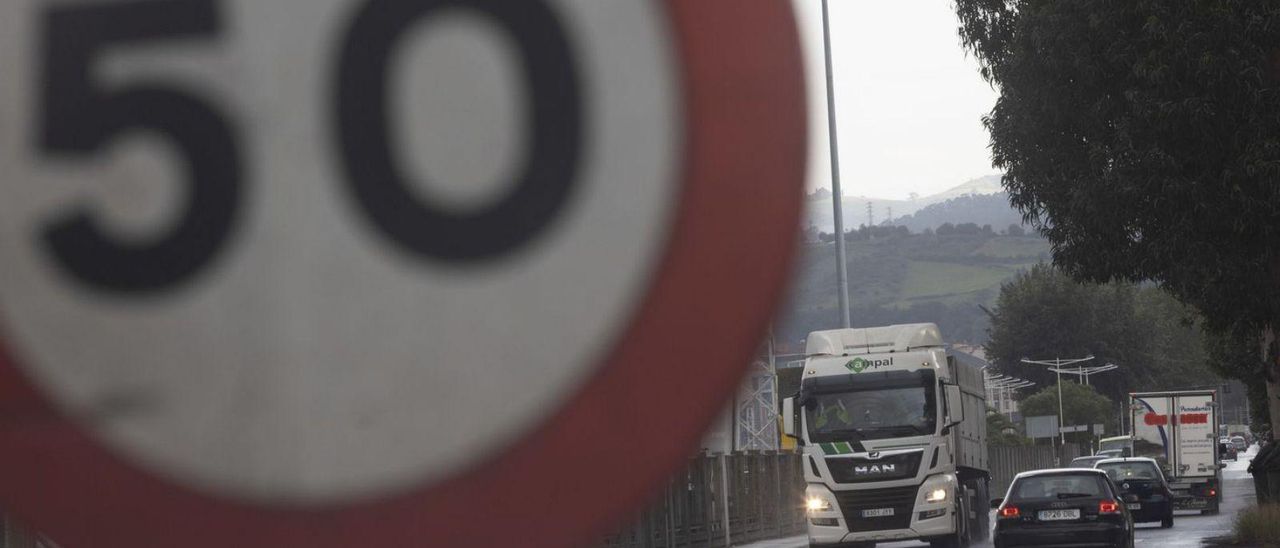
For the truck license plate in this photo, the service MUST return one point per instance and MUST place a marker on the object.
(1059, 515)
(877, 512)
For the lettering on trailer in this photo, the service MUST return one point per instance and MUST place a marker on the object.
(1156, 419)
(1194, 418)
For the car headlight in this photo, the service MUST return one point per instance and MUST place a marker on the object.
(816, 504)
(936, 495)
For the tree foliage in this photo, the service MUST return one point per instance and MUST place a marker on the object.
(1002, 431)
(1142, 138)
(1235, 354)
(1044, 314)
(1082, 405)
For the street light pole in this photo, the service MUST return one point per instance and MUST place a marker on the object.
(1084, 372)
(837, 197)
(1056, 365)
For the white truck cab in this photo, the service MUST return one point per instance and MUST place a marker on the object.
(893, 432)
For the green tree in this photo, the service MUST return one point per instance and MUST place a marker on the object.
(1142, 138)
(1002, 431)
(1234, 354)
(1044, 314)
(1082, 405)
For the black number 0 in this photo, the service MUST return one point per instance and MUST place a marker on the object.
(382, 189)
(80, 118)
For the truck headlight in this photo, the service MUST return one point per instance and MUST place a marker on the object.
(816, 504)
(936, 495)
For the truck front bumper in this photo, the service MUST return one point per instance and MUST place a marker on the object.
(927, 520)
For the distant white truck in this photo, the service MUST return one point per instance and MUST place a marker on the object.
(893, 432)
(1180, 430)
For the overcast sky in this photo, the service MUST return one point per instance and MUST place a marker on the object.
(908, 100)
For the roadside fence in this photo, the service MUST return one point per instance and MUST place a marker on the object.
(1008, 461)
(723, 500)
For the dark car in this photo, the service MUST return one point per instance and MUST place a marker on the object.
(1144, 488)
(1227, 450)
(1066, 507)
(1086, 462)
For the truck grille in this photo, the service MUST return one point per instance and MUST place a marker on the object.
(858, 470)
(901, 499)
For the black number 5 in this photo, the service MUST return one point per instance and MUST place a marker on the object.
(81, 118)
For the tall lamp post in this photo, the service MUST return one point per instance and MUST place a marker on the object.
(842, 274)
(1056, 366)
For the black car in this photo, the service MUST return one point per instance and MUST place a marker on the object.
(1143, 486)
(1227, 450)
(1069, 507)
(1086, 462)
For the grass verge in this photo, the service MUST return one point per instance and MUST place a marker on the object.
(1259, 526)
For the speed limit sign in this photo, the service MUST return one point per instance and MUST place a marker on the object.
(380, 272)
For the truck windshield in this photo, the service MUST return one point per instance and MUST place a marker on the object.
(872, 406)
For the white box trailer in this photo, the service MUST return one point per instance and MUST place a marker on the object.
(1180, 430)
(893, 430)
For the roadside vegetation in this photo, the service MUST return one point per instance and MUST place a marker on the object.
(1139, 138)
(1259, 526)
(1042, 313)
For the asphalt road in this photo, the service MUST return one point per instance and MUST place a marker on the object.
(1190, 528)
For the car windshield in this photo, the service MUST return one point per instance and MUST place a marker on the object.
(873, 406)
(1119, 471)
(1059, 486)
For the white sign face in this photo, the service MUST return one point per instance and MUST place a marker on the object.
(273, 325)
(1045, 426)
(1197, 444)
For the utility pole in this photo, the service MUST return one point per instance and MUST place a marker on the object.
(871, 216)
(1056, 365)
(837, 197)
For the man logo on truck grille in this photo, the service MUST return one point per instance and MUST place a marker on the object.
(875, 469)
(858, 365)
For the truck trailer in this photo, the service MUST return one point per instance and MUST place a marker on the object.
(893, 434)
(1180, 431)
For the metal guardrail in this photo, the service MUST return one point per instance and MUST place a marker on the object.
(723, 500)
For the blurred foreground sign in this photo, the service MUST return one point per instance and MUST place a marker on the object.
(380, 272)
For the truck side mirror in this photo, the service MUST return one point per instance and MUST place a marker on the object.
(789, 417)
(955, 405)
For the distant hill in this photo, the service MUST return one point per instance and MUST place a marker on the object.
(909, 278)
(980, 209)
(819, 211)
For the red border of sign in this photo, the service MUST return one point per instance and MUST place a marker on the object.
(600, 456)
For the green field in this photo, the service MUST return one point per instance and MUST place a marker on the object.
(928, 280)
(912, 278)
